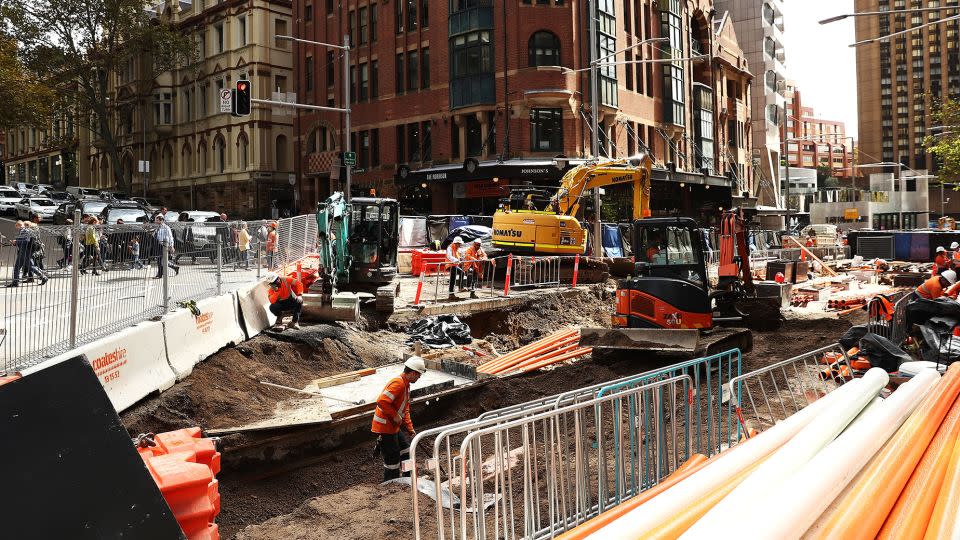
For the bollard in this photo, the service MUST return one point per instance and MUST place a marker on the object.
(576, 269)
(416, 300)
(506, 285)
(219, 267)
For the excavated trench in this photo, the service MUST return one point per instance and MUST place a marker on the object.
(322, 482)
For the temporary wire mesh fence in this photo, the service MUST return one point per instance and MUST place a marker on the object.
(89, 281)
(535, 469)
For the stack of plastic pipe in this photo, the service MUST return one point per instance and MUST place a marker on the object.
(850, 465)
(555, 348)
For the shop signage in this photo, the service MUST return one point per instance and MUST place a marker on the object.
(486, 188)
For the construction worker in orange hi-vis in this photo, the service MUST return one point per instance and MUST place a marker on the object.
(936, 285)
(474, 268)
(391, 419)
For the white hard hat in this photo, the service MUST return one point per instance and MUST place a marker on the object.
(458, 240)
(477, 241)
(941, 249)
(271, 277)
(954, 245)
(949, 275)
(416, 364)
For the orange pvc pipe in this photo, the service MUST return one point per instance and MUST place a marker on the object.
(532, 347)
(689, 467)
(556, 360)
(911, 514)
(547, 347)
(561, 348)
(862, 509)
(943, 521)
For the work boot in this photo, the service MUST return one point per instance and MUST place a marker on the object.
(294, 325)
(473, 294)
(452, 297)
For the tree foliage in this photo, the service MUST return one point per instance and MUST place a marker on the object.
(80, 44)
(26, 99)
(944, 143)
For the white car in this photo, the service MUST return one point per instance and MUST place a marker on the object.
(36, 205)
(9, 197)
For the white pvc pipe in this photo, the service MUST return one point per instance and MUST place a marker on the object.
(727, 517)
(685, 493)
(867, 411)
(797, 503)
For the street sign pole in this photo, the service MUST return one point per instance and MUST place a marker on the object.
(346, 100)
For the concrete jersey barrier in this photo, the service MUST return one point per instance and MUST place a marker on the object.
(131, 364)
(191, 339)
(255, 309)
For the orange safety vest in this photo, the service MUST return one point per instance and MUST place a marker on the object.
(283, 292)
(930, 288)
(272, 241)
(472, 255)
(953, 290)
(393, 408)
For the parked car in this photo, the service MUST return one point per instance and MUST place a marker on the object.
(192, 237)
(197, 216)
(59, 196)
(9, 197)
(83, 193)
(29, 206)
(44, 189)
(128, 212)
(25, 188)
(88, 207)
(152, 206)
(115, 196)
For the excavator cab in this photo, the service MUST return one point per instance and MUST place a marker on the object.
(671, 287)
(374, 227)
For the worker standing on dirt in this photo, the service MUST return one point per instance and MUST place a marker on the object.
(286, 296)
(473, 256)
(391, 420)
(935, 286)
(455, 262)
(942, 261)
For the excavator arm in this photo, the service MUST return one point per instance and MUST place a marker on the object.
(595, 175)
(734, 253)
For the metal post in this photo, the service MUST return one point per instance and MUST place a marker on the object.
(594, 87)
(258, 261)
(597, 232)
(165, 270)
(786, 160)
(219, 267)
(76, 231)
(346, 117)
(900, 183)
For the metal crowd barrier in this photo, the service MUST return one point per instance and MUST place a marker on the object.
(776, 391)
(895, 329)
(95, 290)
(607, 442)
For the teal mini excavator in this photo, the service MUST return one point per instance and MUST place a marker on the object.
(357, 242)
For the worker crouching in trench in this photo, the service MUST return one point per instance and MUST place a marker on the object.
(286, 296)
(391, 420)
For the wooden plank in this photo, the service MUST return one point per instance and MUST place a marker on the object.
(810, 254)
(342, 378)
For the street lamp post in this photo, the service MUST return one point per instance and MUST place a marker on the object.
(346, 98)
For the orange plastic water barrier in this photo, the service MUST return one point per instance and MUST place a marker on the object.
(911, 514)
(689, 467)
(884, 478)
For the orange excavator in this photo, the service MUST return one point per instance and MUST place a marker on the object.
(669, 305)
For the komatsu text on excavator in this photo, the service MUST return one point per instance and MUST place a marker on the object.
(533, 223)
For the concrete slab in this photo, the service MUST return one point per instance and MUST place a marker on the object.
(288, 413)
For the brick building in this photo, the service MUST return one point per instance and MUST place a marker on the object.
(815, 142)
(453, 102)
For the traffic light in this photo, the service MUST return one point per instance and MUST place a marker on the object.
(242, 98)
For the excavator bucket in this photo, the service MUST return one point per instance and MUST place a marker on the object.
(656, 340)
(342, 307)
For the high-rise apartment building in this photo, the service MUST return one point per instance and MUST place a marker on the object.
(452, 102)
(760, 27)
(899, 80)
(814, 142)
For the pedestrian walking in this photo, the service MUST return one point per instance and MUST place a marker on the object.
(23, 264)
(66, 244)
(243, 244)
(164, 237)
(134, 250)
(91, 247)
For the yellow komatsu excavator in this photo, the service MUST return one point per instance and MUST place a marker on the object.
(527, 225)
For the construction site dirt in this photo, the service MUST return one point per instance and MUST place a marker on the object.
(335, 493)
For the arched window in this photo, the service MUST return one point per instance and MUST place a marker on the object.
(319, 140)
(168, 161)
(281, 161)
(544, 49)
(187, 157)
(220, 148)
(242, 147)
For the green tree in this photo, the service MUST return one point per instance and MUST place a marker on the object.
(27, 99)
(79, 44)
(944, 143)
(824, 173)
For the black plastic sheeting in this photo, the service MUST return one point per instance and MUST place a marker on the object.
(882, 353)
(440, 332)
(852, 337)
(921, 310)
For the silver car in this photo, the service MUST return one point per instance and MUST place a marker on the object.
(9, 197)
(41, 206)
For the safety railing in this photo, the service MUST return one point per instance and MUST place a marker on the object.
(772, 393)
(89, 281)
(642, 434)
(494, 278)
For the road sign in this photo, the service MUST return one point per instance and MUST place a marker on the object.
(349, 159)
(143, 166)
(292, 178)
(226, 100)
